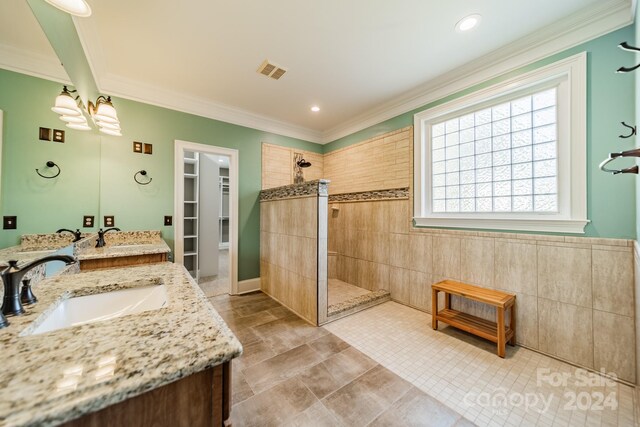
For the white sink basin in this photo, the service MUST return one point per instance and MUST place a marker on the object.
(106, 306)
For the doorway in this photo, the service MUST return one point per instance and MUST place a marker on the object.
(206, 215)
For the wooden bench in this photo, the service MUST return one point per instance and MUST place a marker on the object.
(496, 332)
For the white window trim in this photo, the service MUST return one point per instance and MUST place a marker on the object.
(572, 157)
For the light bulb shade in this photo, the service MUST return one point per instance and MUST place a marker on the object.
(66, 105)
(112, 126)
(73, 119)
(79, 126)
(110, 132)
(106, 113)
(74, 7)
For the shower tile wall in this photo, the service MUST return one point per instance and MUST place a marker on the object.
(575, 296)
(277, 165)
(289, 253)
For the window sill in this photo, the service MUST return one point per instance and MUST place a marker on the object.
(542, 225)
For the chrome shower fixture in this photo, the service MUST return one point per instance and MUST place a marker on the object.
(299, 163)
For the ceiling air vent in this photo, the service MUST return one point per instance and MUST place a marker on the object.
(271, 70)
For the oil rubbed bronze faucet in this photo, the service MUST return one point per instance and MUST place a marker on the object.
(77, 235)
(11, 278)
(100, 242)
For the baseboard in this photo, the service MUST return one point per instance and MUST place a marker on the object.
(250, 285)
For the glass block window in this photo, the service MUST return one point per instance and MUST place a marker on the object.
(499, 158)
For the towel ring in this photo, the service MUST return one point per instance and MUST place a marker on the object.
(612, 156)
(50, 164)
(143, 173)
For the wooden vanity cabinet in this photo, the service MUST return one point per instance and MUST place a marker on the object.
(202, 399)
(123, 261)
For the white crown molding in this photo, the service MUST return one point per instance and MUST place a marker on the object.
(137, 91)
(32, 64)
(590, 23)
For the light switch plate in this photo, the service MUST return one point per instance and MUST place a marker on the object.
(88, 221)
(10, 222)
(168, 220)
(45, 134)
(58, 135)
(109, 221)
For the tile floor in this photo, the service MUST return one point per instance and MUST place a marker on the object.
(217, 285)
(464, 373)
(339, 291)
(295, 374)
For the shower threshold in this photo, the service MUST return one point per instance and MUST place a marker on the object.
(354, 300)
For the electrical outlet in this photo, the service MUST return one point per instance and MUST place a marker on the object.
(58, 135)
(45, 134)
(10, 222)
(168, 220)
(87, 221)
(109, 221)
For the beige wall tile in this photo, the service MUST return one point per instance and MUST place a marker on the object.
(566, 331)
(420, 253)
(476, 261)
(564, 274)
(614, 344)
(378, 216)
(527, 320)
(380, 276)
(420, 290)
(446, 257)
(399, 217)
(516, 267)
(379, 246)
(399, 250)
(613, 282)
(332, 271)
(399, 284)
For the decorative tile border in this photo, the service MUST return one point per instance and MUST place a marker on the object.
(318, 187)
(357, 301)
(391, 194)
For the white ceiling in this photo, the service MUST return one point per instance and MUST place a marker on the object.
(23, 45)
(348, 57)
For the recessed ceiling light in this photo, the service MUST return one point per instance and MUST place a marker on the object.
(468, 22)
(74, 7)
(315, 108)
(220, 160)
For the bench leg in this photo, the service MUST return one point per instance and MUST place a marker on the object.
(447, 301)
(434, 309)
(501, 330)
(512, 324)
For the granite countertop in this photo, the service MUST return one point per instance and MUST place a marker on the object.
(54, 377)
(123, 244)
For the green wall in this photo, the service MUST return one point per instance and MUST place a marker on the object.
(611, 204)
(97, 176)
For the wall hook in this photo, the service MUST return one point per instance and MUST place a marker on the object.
(50, 164)
(143, 173)
(633, 131)
(626, 46)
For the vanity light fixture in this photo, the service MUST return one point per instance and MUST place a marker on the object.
(73, 7)
(468, 22)
(102, 112)
(105, 116)
(67, 106)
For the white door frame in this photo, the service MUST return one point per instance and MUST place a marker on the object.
(178, 208)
